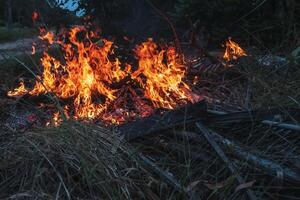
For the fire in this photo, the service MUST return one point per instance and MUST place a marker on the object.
(19, 91)
(56, 120)
(233, 50)
(95, 80)
(33, 51)
(48, 36)
(35, 16)
(163, 83)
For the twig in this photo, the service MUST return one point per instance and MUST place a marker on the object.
(251, 11)
(170, 180)
(165, 17)
(282, 125)
(164, 175)
(54, 98)
(54, 168)
(293, 127)
(225, 159)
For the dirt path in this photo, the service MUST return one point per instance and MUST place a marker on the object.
(16, 48)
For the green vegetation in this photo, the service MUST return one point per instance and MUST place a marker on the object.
(16, 17)
(15, 33)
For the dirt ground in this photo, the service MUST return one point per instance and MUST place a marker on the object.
(16, 48)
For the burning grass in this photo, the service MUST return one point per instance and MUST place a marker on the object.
(89, 72)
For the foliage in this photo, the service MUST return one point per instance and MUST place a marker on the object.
(15, 33)
(50, 11)
(270, 21)
(105, 9)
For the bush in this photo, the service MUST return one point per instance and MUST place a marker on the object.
(270, 22)
(15, 33)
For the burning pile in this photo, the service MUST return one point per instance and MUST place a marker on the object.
(102, 87)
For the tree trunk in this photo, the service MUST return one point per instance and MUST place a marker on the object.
(9, 17)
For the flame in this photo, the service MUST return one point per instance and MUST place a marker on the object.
(164, 84)
(33, 51)
(34, 16)
(49, 37)
(56, 120)
(19, 91)
(89, 72)
(233, 51)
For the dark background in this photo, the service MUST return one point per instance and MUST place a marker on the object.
(264, 23)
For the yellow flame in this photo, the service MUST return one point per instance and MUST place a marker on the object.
(88, 72)
(233, 51)
(19, 91)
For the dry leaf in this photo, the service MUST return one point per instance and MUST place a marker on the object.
(215, 186)
(220, 184)
(244, 185)
(191, 186)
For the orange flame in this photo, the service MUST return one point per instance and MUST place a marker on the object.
(19, 91)
(164, 84)
(48, 37)
(233, 51)
(56, 120)
(33, 51)
(88, 73)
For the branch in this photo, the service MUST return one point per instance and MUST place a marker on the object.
(225, 159)
(271, 168)
(166, 18)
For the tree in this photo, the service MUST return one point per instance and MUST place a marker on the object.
(8, 13)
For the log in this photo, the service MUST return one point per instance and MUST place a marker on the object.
(157, 122)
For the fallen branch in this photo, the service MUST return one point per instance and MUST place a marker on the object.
(263, 116)
(293, 127)
(272, 168)
(222, 155)
(269, 167)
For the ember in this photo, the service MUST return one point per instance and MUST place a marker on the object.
(90, 70)
(35, 16)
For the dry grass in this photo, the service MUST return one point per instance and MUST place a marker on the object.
(70, 161)
(79, 160)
